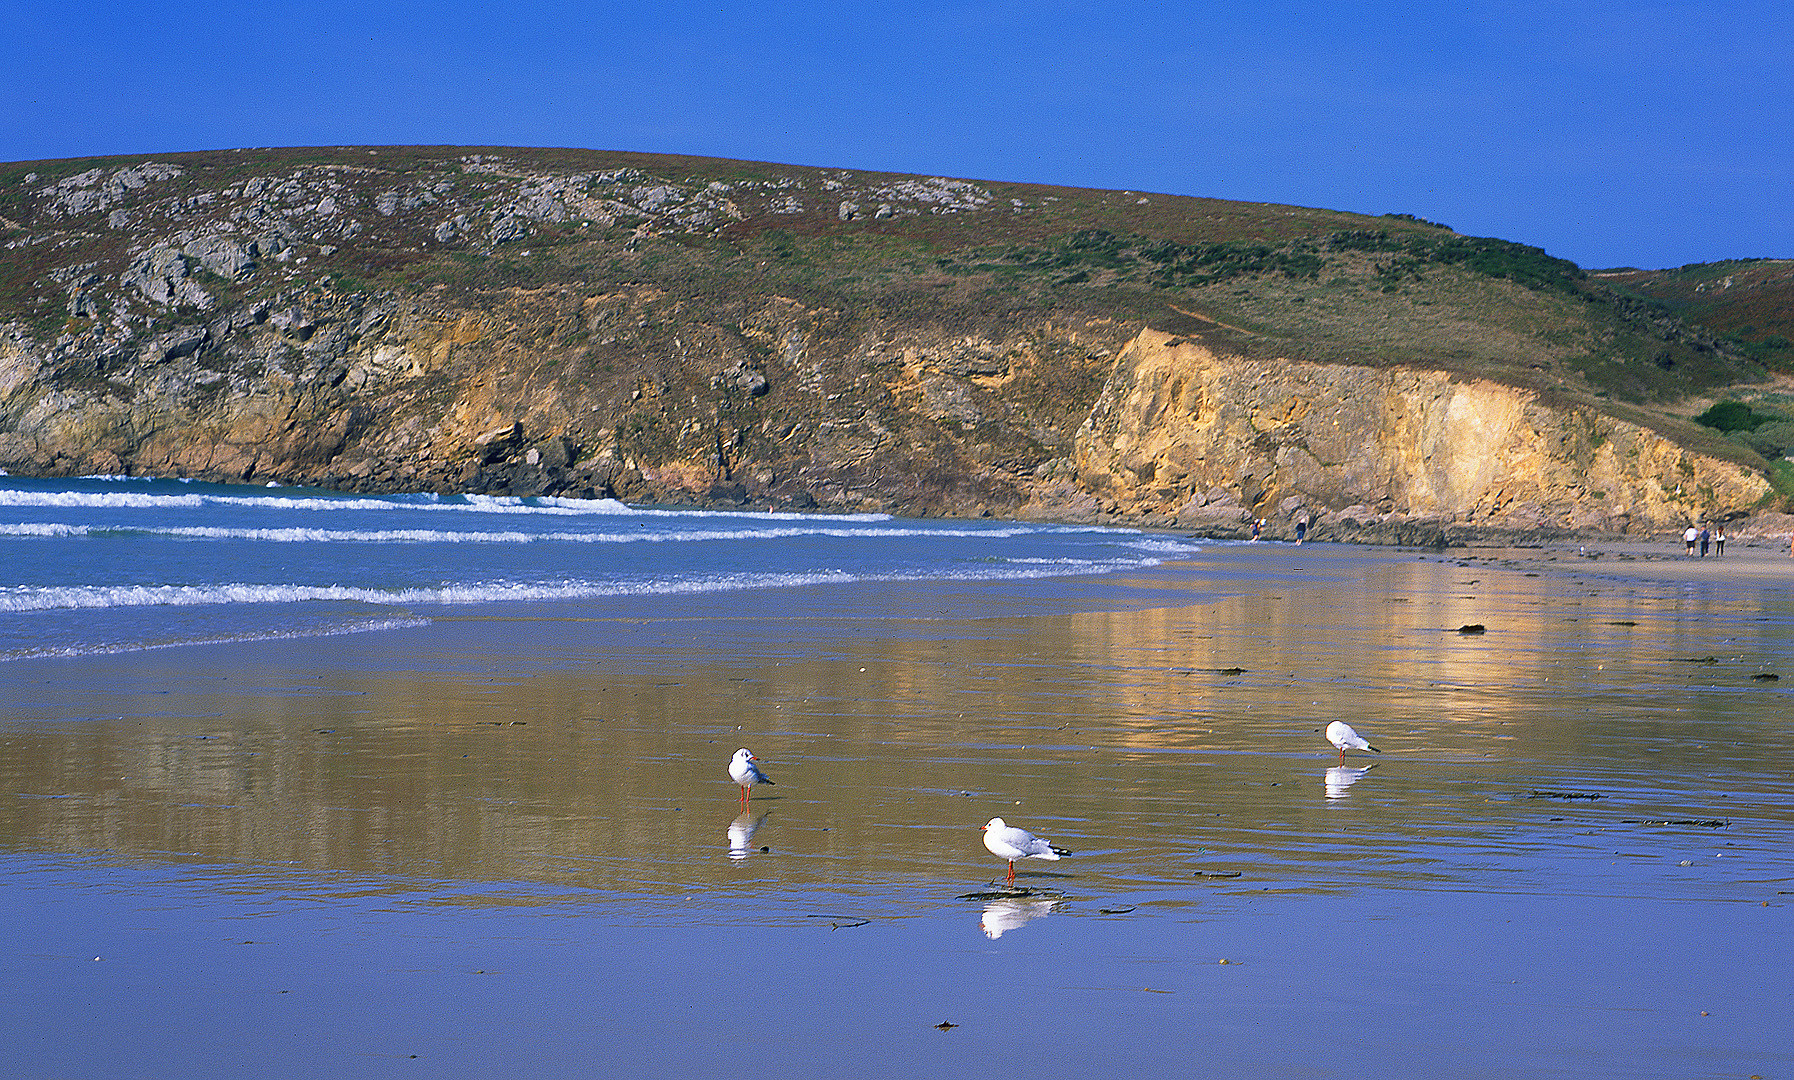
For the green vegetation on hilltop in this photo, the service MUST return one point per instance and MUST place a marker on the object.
(1473, 305)
(1749, 303)
(717, 236)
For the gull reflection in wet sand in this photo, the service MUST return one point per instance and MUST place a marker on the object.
(1001, 916)
(741, 833)
(1340, 777)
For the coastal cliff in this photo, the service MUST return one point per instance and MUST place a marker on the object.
(725, 333)
(1214, 442)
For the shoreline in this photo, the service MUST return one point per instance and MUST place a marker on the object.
(1756, 561)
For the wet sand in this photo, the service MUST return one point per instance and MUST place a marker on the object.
(1753, 562)
(505, 843)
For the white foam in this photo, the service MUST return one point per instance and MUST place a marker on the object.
(48, 598)
(324, 503)
(22, 598)
(43, 529)
(139, 500)
(1164, 545)
(128, 499)
(296, 535)
(113, 648)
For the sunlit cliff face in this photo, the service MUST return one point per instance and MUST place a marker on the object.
(1182, 430)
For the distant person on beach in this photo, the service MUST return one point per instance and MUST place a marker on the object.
(1706, 538)
(1689, 537)
(1301, 526)
(1257, 527)
(1719, 542)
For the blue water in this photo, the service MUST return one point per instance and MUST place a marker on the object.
(105, 565)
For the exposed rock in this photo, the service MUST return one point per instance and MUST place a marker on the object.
(223, 255)
(161, 276)
(1176, 419)
(178, 343)
(732, 492)
(1223, 519)
(746, 379)
(550, 454)
(97, 190)
(499, 443)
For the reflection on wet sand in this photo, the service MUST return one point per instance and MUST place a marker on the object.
(1340, 777)
(1002, 916)
(741, 833)
(585, 752)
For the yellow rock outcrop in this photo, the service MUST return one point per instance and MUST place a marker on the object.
(1182, 431)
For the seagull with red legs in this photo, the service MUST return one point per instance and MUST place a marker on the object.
(1340, 734)
(743, 771)
(1011, 843)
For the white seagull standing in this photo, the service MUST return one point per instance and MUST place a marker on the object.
(743, 771)
(1009, 842)
(1340, 734)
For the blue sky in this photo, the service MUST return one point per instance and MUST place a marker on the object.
(1643, 134)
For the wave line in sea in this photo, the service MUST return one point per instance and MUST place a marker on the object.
(297, 535)
(324, 502)
(117, 647)
(23, 598)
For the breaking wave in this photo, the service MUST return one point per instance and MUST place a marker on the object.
(474, 504)
(63, 597)
(298, 535)
(112, 648)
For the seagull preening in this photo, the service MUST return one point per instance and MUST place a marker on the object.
(743, 771)
(1340, 734)
(1009, 842)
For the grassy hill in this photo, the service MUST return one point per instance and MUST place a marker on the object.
(1750, 302)
(1749, 305)
(1393, 289)
(97, 254)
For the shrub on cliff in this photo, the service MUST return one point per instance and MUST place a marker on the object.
(1730, 416)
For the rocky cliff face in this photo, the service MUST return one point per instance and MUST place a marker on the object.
(466, 323)
(1181, 433)
(553, 391)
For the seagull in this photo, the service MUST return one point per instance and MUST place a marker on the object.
(1009, 842)
(1340, 734)
(743, 771)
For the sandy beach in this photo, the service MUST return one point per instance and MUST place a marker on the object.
(1756, 560)
(503, 840)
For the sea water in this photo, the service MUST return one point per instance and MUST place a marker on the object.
(304, 784)
(110, 565)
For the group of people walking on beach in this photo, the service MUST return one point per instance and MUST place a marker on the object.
(1699, 539)
(1705, 537)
